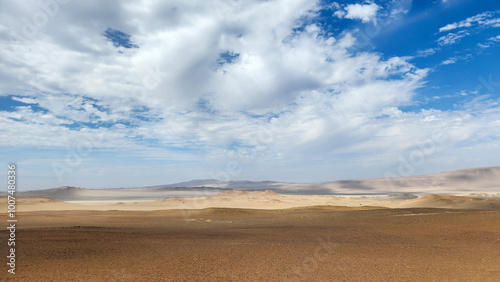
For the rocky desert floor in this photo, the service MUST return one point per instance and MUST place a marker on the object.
(321, 243)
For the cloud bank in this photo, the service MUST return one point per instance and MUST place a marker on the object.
(199, 83)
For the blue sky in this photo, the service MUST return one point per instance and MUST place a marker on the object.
(125, 94)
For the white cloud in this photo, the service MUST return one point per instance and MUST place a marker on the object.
(496, 38)
(426, 52)
(294, 96)
(366, 13)
(449, 61)
(483, 46)
(452, 38)
(484, 19)
(453, 26)
(274, 68)
(339, 14)
(470, 26)
(455, 59)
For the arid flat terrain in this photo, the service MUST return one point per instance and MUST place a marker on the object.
(77, 234)
(322, 243)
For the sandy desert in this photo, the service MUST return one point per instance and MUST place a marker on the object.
(321, 243)
(243, 235)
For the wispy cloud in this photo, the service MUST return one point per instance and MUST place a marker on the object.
(449, 61)
(496, 38)
(427, 52)
(486, 19)
(452, 38)
(455, 59)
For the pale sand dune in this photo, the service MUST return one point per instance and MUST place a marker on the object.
(268, 200)
(451, 202)
(458, 182)
(482, 182)
(480, 186)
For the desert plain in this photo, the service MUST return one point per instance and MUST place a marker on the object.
(258, 236)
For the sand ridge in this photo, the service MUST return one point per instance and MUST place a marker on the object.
(258, 200)
(478, 182)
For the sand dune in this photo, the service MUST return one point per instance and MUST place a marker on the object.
(484, 180)
(459, 182)
(452, 202)
(268, 200)
(476, 188)
(478, 182)
(67, 193)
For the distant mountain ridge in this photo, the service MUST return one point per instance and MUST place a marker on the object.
(217, 183)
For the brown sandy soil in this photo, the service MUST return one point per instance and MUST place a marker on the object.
(216, 244)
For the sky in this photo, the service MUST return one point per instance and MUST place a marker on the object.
(134, 93)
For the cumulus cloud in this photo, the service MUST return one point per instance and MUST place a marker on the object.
(364, 12)
(179, 81)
